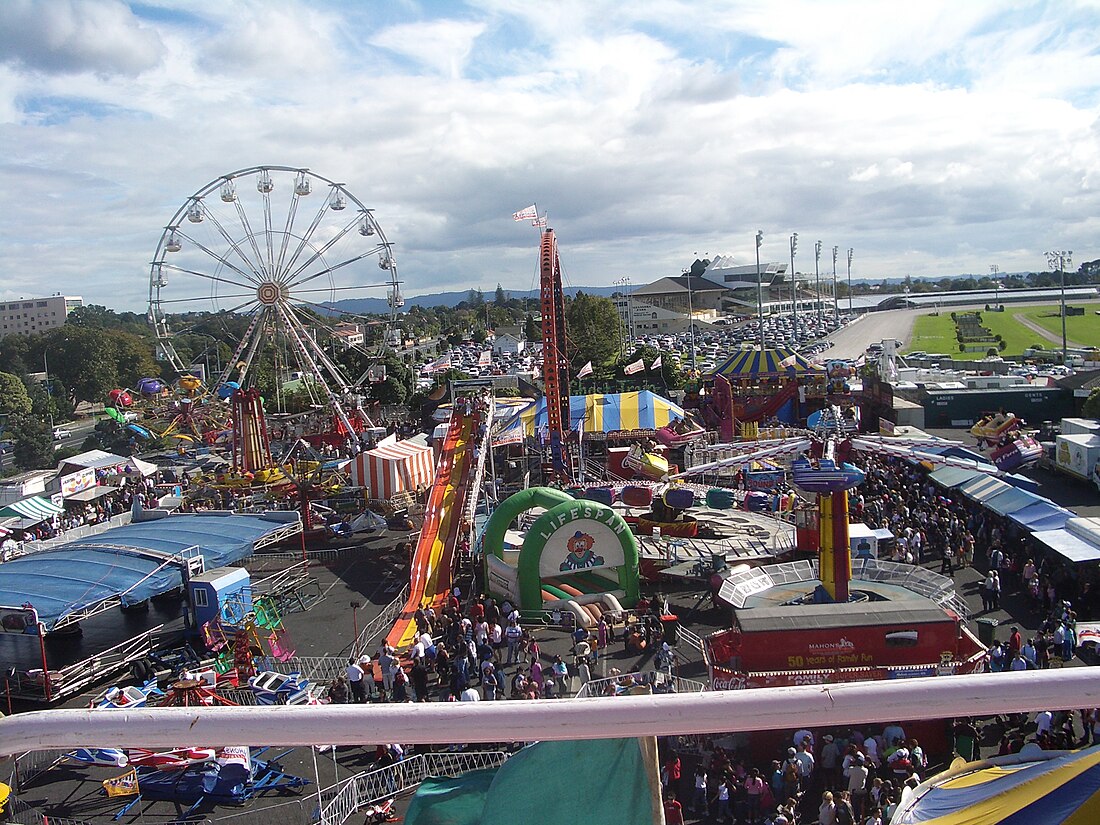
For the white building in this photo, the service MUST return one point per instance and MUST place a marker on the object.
(507, 343)
(641, 318)
(30, 317)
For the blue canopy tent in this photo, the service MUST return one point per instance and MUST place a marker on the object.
(132, 563)
(949, 477)
(984, 488)
(1010, 501)
(1041, 515)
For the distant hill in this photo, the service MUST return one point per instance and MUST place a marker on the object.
(378, 306)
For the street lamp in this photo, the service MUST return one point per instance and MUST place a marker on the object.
(794, 279)
(49, 394)
(836, 310)
(691, 319)
(1063, 259)
(994, 272)
(817, 278)
(850, 253)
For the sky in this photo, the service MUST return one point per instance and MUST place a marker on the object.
(932, 138)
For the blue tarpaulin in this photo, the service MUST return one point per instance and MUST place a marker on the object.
(1010, 500)
(83, 573)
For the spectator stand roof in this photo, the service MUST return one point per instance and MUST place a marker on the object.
(129, 564)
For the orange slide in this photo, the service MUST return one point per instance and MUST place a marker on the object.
(430, 576)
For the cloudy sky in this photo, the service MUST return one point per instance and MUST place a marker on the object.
(934, 138)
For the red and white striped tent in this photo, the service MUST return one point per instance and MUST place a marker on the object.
(393, 467)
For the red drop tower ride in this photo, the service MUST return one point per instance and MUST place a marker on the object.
(555, 369)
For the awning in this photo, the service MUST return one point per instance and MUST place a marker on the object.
(92, 493)
(984, 488)
(33, 509)
(1042, 515)
(953, 476)
(1068, 546)
(1010, 500)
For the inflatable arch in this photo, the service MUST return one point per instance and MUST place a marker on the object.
(572, 535)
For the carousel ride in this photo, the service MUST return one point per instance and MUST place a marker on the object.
(278, 245)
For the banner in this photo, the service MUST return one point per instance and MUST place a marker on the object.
(125, 785)
(656, 363)
(73, 483)
(540, 222)
(529, 213)
(485, 359)
(585, 370)
(637, 366)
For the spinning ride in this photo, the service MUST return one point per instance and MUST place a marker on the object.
(274, 243)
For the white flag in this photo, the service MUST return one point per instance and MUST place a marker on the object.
(530, 213)
(585, 370)
(637, 366)
(790, 360)
(656, 363)
(540, 222)
(485, 359)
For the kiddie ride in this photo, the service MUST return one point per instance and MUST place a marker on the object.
(1015, 450)
(992, 427)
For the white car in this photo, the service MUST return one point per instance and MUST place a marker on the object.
(60, 433)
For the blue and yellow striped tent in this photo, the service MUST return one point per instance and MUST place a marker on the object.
(1057, 790)
(749, 363)
(598, 413)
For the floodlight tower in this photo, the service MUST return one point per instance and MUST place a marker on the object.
(817, 279)
(759, 287)
(794, 279)
(1063, 259)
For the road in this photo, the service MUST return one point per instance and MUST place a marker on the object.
(851, 341)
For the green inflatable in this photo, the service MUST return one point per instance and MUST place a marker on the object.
(571, 537)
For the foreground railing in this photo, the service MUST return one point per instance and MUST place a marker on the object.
(856, 703)
(27, 547)
(341, 802)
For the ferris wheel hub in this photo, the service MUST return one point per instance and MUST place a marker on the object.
(270, 293)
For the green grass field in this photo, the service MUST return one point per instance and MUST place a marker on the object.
(936, 333)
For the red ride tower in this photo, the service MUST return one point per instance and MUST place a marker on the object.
(555, 370)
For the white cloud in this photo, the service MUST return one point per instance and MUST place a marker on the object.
(66, 36)
(931, 138)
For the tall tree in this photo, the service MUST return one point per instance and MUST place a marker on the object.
(15, 401)
(531, 330)
(500, 299)
(594, 328)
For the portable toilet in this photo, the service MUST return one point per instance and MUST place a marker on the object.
(223, 593)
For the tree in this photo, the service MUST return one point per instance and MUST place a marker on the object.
(1091, 408)
(15, 401)
(594, 329)
(500, 299)
(33, 448)
(531, 330)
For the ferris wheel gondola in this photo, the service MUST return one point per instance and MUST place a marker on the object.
(281, 244)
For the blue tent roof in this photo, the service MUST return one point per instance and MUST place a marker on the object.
(953, 476)
(1042, 515)
(129, 561)
(1010, 500)
(984, 488)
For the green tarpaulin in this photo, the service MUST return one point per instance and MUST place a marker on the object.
(597, 782)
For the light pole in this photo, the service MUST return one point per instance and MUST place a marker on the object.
(759, 288)
(836, 309)
(625, 282)
(817, 278)
(794, 279)
(1063, 259)
(691, 320)
(49, 394)
(850, 253)
(994, 272)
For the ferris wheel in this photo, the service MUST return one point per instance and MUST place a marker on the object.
(277, 244)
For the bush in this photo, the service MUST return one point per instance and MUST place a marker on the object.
(962, 347)
(1001, 345)
(1039, 347)
(991, 352)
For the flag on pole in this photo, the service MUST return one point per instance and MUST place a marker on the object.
(529, 213)
(485, 359)
(637, 366)
(586, 370)
(125, 785)
(540, 222)
(790, 360)
(439, 364)
(657, 363)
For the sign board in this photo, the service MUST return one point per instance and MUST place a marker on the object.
(73, 483)
(885, 426)
(585, 543)
(19, 620)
